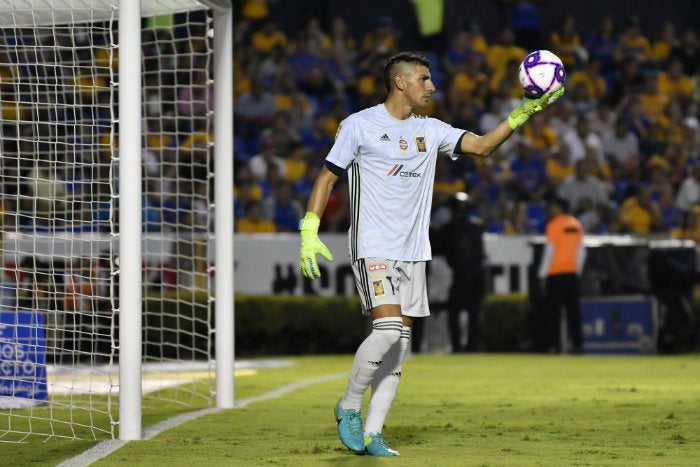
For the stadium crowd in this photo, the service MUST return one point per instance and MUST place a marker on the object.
(622, 145)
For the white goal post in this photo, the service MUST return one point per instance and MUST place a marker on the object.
(79, 114)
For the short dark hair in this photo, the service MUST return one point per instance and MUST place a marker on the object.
(390, 67)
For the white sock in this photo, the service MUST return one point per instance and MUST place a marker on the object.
(368, 358)
(385, 384)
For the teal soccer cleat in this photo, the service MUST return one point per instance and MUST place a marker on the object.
(375, 445)
(350, 428)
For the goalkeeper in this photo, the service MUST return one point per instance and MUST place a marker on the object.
(389, 155)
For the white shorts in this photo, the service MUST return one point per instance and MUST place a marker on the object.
(388, 282)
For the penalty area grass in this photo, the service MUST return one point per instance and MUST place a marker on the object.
(461, 410)
(464, 410)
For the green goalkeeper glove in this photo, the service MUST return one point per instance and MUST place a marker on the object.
(311, 245)
(528, 107)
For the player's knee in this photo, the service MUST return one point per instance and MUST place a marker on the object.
(386, 332)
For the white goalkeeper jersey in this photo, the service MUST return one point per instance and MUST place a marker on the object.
(391, 173)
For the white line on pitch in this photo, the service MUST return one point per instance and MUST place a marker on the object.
(104, 448)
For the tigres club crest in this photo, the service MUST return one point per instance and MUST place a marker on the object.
(420, 144)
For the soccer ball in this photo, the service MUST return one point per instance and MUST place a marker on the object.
(540, 72)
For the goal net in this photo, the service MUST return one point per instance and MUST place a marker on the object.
(60, 213)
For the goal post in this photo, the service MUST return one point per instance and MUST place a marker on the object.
(116, 124)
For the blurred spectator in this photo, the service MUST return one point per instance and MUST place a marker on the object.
(286, 210)
(370, 86)
(273, 70)
(254, 111)
(302, 112)
(466, 79)
(302, 187)
(316, 139)
(543, 137)
(338, 64)
(602, 118)
(336, 217)
(589, 214)
(446, 184)
(282, 133)
(194, 101)
(566, 44)
(462, 49)
(639, 214)
(689, 191)
(621, 145)
(245, 191)
(382, 39)
(339, 109)
(589, 74)
(268, 38)
(674, 83)
(691, 139)
(581, 138)
(658, 181)
(667, 41)
(638, 122)
(582, 184)
(653, 101)
(559, 166)
(260, 163)
(256, 10)
(316, 39)
(603, 44)
(493, 114)
(253, 222)
(634, 44)
(599, 167)
(318, 87)
(505, 52)
(301, 59)
(580, 98)
(296, 163)
(466, 115)
(505, 81)
(690, 226)
(518, 220)
(688, 52)
(529, 173)
(341, 39)
(628, 80)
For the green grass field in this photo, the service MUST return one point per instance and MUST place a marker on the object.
(451, 410)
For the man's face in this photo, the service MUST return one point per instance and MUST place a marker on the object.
(418, 86)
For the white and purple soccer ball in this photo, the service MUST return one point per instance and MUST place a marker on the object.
(540, 72)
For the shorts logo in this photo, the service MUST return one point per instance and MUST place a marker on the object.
(420, 144)
(378, 287)
(376, 267)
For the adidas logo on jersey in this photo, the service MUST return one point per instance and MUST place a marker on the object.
(384, 138)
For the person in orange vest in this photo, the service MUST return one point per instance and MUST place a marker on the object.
(559, 271)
